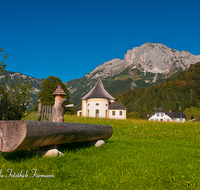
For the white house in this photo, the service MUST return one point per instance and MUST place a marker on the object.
(99, 103)
(162, 115)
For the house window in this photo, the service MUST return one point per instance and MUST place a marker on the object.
(120, 112)
(97, 104)
(97, 113)
(113, 112)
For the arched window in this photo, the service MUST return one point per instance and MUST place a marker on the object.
(97, 113)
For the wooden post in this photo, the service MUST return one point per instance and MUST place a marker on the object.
(58, 105)
(39, 111)
(42, 112)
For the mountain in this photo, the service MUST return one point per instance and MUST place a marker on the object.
(13, 78)
(180, 92)
(143, 66)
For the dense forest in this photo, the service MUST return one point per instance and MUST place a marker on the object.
(182, 91)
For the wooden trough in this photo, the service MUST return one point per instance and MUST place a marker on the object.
(21, 135)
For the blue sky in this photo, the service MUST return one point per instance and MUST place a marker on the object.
(68, 39)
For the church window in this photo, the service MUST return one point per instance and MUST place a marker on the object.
(113, 112)
(97, 113)
(97, 104)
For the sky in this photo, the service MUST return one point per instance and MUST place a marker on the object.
(70, 38)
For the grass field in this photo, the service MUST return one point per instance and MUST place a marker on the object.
(139, 155)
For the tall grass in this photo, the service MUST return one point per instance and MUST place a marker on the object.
(139, 155)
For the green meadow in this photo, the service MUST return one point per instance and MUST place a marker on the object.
(139, 155)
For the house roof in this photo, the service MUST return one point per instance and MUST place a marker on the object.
(116, 106)
(172, 114)
(160, 110)
(98, 91)
(178, 115)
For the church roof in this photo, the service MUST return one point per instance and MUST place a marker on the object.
(116, 106)
(98, 91)
(80, 108)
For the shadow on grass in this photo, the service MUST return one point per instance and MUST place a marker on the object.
(77, 146)
(22, 155)
(19, 156)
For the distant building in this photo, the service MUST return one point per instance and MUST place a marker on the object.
(99, 103)
(162, 115)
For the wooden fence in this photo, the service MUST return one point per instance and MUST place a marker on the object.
(1, 109)
(45, 113)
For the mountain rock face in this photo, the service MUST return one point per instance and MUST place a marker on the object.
(141, 67)
(152, 58)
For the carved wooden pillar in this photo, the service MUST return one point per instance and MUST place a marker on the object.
(58, 105)
(58, 112)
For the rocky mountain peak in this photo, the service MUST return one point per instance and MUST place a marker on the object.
(149, 57)
(158, 58)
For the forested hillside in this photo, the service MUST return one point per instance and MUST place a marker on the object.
(183, 90)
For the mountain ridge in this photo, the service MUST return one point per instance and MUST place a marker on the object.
(143, 66)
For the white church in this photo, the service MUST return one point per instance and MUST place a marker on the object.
(99, 103)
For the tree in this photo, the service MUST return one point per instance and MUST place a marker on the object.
(2, 68)
(2, 63)
(48, 87)
(15, 98)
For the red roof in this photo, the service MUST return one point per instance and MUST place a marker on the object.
(161, 110)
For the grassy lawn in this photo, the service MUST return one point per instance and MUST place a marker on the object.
(139, 155)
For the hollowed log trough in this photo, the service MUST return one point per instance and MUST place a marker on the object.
(21, 135)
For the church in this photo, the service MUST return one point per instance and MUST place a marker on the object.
(99, 103)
